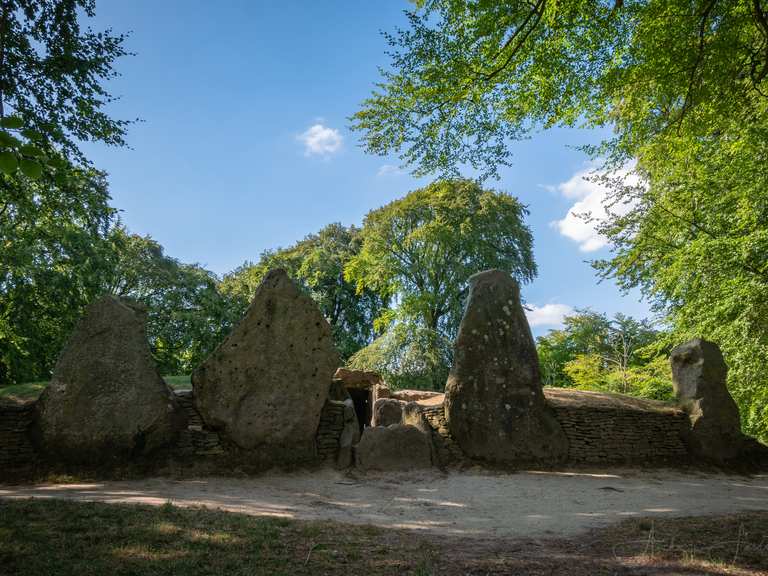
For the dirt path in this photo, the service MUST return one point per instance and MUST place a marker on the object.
(461, 503)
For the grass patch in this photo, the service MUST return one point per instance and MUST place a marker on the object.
(31, 390)
(28, 391)
(56, 537)
(183, 382)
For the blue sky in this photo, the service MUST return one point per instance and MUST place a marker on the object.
(244, 142)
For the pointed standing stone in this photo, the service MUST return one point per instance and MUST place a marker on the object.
(106, 399)
(263, 388)
(494, 402)
(699, 375)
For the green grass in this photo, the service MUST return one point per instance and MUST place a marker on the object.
(28, 391)
(183, 382)
(42, 538)
(67, 538)
(31, 390)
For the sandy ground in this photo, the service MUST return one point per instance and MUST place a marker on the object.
(472, 503)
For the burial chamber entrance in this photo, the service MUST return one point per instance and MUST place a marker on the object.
(362, 398)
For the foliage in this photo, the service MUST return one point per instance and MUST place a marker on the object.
(468, 77)
(52, 263)
(421, 250)
(187, 315)
(696, 242)
(52, 73)
(408, 356)
(593, 352)
(317, 263)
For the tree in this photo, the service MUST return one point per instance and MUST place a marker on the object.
(187, 315)
(467, 77)
(53, 261)
(421, 250)
(595, 352)
(52, 73)
(54, 211)
(317, 264)
(696, 243)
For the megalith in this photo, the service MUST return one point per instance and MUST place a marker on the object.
(494, 404)
(264, 387)
(106, 399)
(395, 447)
(699, 375)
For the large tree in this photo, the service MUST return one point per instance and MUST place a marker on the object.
(421, 250)
(53, 260)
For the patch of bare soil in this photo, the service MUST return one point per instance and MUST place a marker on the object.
(473, 503)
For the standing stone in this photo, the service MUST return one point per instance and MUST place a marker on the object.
(699, 375)
(106, 399)
(494, 402)
(265, 385)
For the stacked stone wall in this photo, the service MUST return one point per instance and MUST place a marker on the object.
(15, 446)
(613, 429)
(448, 452)
(195, 439)
(329, 430)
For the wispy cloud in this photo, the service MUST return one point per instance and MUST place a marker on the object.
(320, 140)
(389, 170)
(547, 315)
(590, 200)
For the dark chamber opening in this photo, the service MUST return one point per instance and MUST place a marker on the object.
(362, 400)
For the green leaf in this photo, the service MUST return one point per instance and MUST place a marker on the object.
(32, 135)
(8, 162)
(8, 141)
(31, 168)
(30, 150)
(12, 122)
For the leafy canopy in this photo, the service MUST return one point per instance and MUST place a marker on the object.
(420, 251)
(467, 77)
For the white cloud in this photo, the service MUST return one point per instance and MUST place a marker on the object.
(547, 315)
(320, 140)
(389, 170)
(590, 199)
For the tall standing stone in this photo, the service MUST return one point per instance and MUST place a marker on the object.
(494, 402)
(265, 385)
(106, 399)
(699, 375)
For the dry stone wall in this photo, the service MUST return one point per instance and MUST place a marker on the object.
(610, 429)
(330, 429)
(448, 451)
(15, 447)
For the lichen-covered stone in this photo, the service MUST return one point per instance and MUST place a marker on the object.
(396, 447)
(264, 387)
(106, 399)
(699, 375)
(494, 403)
